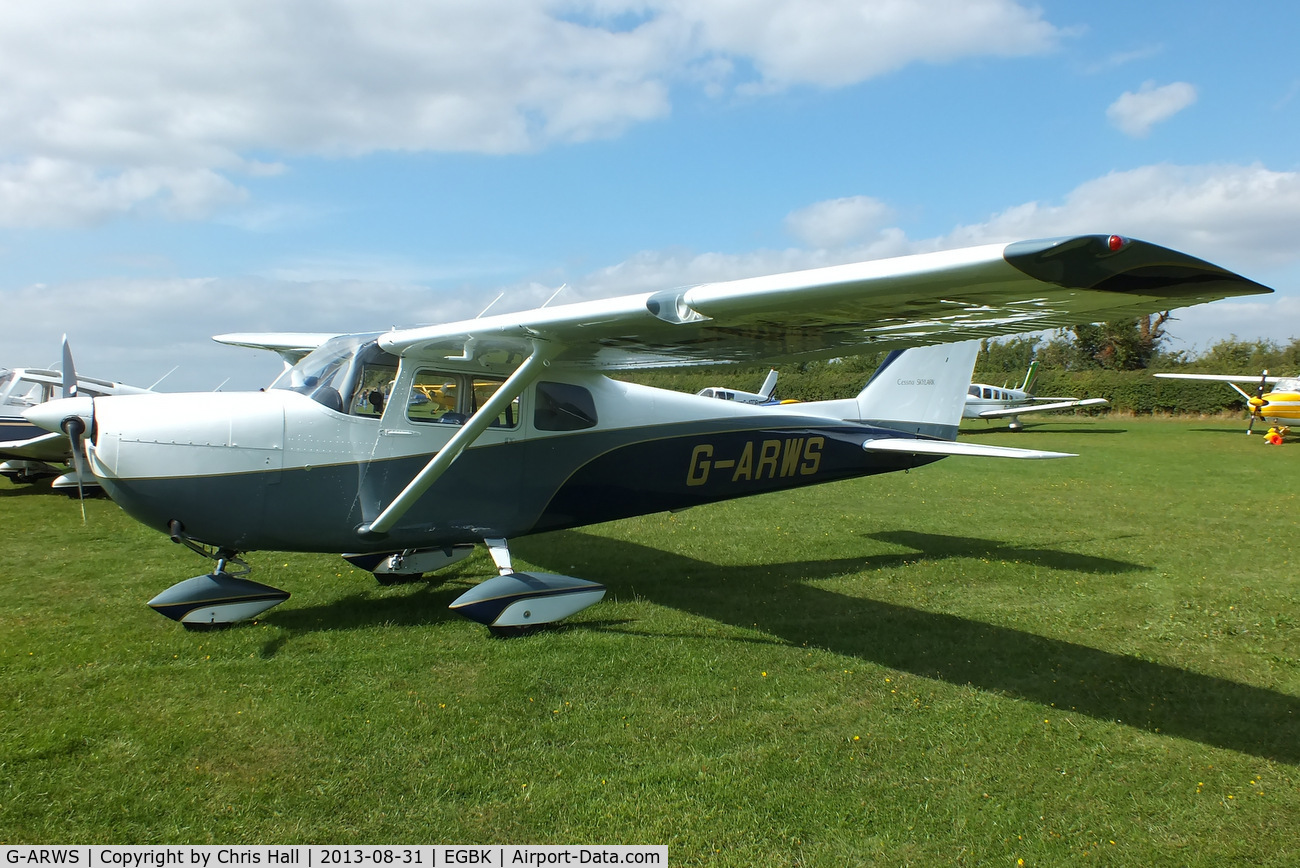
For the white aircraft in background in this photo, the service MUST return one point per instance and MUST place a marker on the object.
(1279, 407)
(992, 402)
(403, 449)
(762, 396)
(29, 453)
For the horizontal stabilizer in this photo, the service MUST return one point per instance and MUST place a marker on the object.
(946, 447)
(1039, 408)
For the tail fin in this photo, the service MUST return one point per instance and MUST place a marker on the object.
(920, 390)
(1030, 378)
(769, 385)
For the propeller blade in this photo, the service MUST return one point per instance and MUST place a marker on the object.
(1256, 404)
(75, 428)
(69, 371)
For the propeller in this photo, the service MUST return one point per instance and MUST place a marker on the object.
(74, 426)
(1257, 403)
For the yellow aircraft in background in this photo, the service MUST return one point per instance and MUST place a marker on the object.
(1279, 407)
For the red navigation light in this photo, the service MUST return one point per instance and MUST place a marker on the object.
(1115, 243)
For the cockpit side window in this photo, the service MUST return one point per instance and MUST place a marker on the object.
(18, 391)
(374, 386)
(435, 397)
(451, 398)
(484, 389)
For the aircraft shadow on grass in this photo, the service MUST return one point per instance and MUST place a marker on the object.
(41, 488)
(426, 603)
(780, 599)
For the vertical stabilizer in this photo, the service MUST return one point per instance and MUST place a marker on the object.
(769, 385)
(1031, 376)
(920, 390)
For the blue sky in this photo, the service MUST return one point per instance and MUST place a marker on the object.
(171, 171)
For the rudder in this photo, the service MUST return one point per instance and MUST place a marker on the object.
(921, 390)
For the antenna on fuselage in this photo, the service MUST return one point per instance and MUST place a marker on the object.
(163, 377)
(489, 307)
(563, 286)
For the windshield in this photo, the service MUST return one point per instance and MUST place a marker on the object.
(348, 374)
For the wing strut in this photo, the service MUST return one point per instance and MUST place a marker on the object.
(512, 388)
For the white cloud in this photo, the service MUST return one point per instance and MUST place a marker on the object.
(1248, 216)
(1134, 114)
(1123, 58)
(52, 192)
(833, 43)
(157, 102)
(837, 222)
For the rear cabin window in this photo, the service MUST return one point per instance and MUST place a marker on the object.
(563, 407)
(451, 398)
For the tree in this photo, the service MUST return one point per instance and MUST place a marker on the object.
(1010, 356)
(1234, 356)
(1120, 345)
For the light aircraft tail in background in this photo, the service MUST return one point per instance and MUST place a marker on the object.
(405, 447)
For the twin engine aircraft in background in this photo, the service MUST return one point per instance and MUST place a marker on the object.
(403, 449)
(1279, 407)
(29, 453)
(991, 402)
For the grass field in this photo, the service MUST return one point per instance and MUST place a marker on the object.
(1090, 661)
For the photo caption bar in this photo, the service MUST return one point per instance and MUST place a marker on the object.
(318, 856)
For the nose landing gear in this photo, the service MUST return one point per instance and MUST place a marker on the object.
(219, 598)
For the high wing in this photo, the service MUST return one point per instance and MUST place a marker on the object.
(290, 346)
(1038, 408)
(929, 298)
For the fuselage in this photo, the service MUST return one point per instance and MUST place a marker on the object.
(1282, 405)
(284, 470)
(982, 397)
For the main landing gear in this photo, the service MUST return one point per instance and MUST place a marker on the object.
(513, 601)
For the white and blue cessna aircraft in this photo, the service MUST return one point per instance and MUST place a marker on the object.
(405, 448)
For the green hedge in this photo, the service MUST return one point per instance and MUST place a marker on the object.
(1141, 393)
(1127, 391)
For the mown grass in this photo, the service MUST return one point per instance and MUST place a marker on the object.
(1091, 661)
